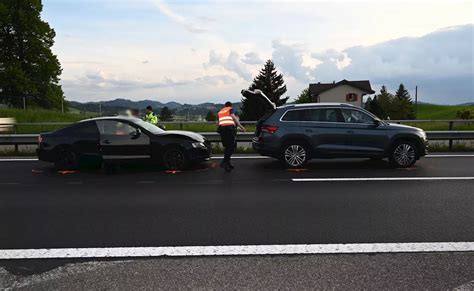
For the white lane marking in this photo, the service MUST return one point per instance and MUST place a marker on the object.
(254, 157)
(18, 160)
(380, 179)
(448, 156)
(237, 250)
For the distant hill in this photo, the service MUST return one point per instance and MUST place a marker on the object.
(116, 106)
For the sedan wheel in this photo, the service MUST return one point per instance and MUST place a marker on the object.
(174, 159)
(66, 160)
(404, 154)
(295, 156)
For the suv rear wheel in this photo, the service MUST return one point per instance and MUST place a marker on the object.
(403, 154)
(295, 154)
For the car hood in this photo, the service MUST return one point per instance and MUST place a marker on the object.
(181, 133)
(396, 126)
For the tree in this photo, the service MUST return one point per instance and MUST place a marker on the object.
(304, 97)
(166, 114)
(28, 68)
(405, 103)
(210, 116)
(271, 84)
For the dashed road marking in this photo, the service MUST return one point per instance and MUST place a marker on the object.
(236, 250)
(380, 179)
(145, 182)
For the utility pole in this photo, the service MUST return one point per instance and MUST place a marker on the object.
(416, 101)
(24, 103)
(100, 109)
(62, 106)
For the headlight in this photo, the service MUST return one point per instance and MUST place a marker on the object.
(198, 145)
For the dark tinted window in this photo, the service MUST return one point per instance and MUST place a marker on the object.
(80, 129)
(115, 127)
(356, 116)
(322, 115)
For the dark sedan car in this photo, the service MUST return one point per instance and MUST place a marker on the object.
(118, 139)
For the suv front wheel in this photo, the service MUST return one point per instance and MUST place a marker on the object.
(403, 154)
(295, 155)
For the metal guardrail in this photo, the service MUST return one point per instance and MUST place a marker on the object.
(213, 137)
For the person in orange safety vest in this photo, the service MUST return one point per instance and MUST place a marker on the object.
(227, 123)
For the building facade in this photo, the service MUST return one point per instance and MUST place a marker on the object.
(351, 92)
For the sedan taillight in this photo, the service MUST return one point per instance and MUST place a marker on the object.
(269, 129)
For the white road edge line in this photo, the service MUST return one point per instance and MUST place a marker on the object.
(237, 250)
(380, 179)
(249, 157)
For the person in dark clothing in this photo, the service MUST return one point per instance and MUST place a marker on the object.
(228, 124)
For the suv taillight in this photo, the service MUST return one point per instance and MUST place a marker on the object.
(40, 139)
(270, 129)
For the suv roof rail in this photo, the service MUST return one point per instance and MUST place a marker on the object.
(322, 104)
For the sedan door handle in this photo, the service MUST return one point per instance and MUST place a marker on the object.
(106, 141)
(309, 130)
(350, 131)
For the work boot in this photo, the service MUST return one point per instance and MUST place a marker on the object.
(226, 166)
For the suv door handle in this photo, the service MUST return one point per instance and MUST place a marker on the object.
(350, 131)
(106, 141)
(309, 130)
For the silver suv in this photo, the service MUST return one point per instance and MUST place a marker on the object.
(296, 133)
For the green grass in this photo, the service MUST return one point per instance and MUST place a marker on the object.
(38, 116)
(437, 112)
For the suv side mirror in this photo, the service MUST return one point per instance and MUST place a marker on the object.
(377, 122)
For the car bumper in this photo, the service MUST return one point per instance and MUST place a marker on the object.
(199, 155)
(263, 149)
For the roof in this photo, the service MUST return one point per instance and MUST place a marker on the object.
(364, 85)
(121, 117)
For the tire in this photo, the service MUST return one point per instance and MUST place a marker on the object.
(294, 155)
(174, 159)
(66, 160)
(403, 154)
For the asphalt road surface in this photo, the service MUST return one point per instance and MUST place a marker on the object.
(259, 203)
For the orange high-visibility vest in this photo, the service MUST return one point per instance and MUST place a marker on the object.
(224, 117)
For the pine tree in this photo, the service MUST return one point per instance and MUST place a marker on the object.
(272, 85)
(407, 111)
(166, 114)
(210, 116)
(28, 68)
(402, 93)
(304, 97)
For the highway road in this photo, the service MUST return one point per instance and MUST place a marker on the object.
(330, 202)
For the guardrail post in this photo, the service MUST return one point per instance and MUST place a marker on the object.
(451, 141)
(15, 132)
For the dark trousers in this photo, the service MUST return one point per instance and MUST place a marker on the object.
(228, 141)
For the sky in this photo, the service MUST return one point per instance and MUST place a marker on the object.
(207, 51)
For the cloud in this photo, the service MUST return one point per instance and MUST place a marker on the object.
(179, 19)
(252, 58)
(289, 57)
(215, 80)
(441, 62)
(231, 63)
